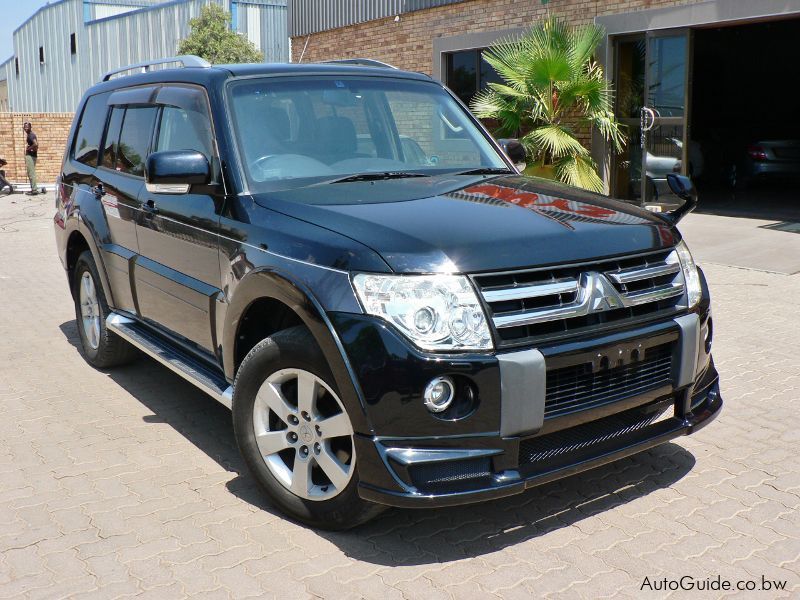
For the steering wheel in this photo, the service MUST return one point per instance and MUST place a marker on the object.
(288, 165)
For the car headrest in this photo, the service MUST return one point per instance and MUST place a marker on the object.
(337, 135)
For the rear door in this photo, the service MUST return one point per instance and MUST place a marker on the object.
(108, 198)
(177, 276)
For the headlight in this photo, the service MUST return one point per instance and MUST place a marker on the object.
(436, 312)
(694, 290)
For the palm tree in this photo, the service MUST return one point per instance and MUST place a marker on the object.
(552, 84)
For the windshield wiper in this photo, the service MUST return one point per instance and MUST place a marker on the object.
(486, 171)
(378, 176)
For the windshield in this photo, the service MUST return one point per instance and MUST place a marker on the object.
(294, 132)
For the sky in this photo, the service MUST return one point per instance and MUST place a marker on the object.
(14, 13)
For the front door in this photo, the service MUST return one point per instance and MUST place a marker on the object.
(652, 101)
(177, 273)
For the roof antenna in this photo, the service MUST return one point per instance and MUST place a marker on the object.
(303, 53)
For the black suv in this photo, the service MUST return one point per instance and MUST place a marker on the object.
(342, 255)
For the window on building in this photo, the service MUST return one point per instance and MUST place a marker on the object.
(134, 140)
(73, 44)
(467, 73)
(90, 130)
(16, 66)
(41, 55)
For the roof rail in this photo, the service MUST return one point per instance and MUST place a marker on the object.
(361, 62)
(187, 60)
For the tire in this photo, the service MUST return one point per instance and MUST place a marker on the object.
(101, 348)
(315, 490)
(736, 180)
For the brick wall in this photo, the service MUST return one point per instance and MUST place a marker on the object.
(52, 129)
(408, 43)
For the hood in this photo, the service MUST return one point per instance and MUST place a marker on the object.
(474, 224)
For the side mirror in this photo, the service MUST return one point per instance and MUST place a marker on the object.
(515, 151)
(684, 189)
(174, 172)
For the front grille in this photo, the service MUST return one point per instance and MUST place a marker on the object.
(580, 387)
(546, 304)
(549, 451)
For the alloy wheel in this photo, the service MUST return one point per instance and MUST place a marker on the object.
(304, 434)
(90, 310)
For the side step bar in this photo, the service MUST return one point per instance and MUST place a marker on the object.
(212, 384)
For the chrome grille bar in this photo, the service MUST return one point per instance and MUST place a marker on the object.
(538, 290)
(662, 292)
(638, 273)
(594, 292)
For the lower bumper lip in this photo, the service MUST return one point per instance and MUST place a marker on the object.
(512, 482)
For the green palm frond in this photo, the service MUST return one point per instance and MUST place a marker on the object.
(549, 76)
(579, 171)
(556, 140)
(488, 104)
(584, 40)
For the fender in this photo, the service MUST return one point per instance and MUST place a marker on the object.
(278, 285)
(75, 222)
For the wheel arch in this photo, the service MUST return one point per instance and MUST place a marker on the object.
(268, 289)
(80, 239)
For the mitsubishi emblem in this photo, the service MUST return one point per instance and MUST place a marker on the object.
(602, 295)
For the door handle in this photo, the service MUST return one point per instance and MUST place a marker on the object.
(150, 208)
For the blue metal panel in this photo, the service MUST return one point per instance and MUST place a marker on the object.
(146, 30)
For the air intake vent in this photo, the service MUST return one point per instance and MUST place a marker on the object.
(579, 387)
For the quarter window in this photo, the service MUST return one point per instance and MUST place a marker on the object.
(134, 141)
(112, 137)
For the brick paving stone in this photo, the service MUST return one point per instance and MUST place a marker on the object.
(128, 482)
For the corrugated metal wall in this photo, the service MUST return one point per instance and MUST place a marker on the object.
(264, 22)
(100, 9)
(56, 84)
(106, 43)
(311, 16)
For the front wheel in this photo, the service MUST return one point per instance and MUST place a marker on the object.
(295, 433)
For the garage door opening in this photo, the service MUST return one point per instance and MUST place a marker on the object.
(744, 148)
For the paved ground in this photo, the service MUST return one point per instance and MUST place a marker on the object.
(128, 482)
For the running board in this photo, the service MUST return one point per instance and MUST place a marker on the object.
(212, 384)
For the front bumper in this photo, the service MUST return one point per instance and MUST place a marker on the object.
(470, 475)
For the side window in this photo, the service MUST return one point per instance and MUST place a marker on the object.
(134, 140)
(90, 130)
(185, 121)
(181, 129)
(112, 137)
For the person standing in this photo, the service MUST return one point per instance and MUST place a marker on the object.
(31, 152)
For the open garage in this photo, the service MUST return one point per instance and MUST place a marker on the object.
(745, 119)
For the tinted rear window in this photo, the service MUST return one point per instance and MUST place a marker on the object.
(112, 137)
(90, 130)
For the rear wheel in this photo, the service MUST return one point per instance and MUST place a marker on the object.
(295, 433)
(101, 347)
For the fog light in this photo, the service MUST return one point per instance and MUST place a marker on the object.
(439, 394)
